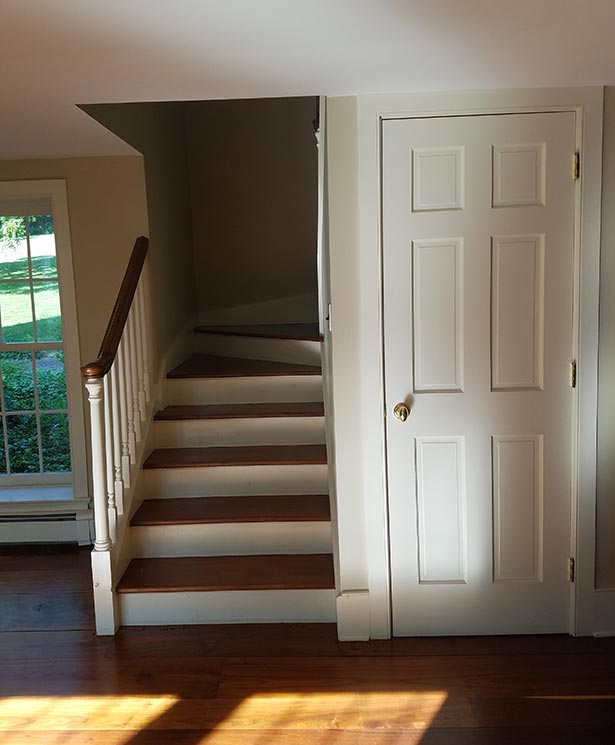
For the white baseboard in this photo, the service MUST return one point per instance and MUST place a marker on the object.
(294, 309)
(353, 616)
(67, 530)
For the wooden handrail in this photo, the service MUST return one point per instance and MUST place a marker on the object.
(111, 340)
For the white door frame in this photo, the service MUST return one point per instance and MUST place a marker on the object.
(55, 189)
(587, 103)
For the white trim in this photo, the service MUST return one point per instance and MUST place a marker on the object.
(55, 189)
(369, 381)
(325, 325)
(79, 530)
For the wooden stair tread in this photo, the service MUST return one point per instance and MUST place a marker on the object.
(222, 573)
(240, 411)
(212, 366)
(244, 455)
(297, 331)
(244, 509)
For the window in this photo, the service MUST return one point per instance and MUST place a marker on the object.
(42, 434)
(34, 437)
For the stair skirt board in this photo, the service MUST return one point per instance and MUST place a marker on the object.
(180, 391)
(279, 350)
(235, 606)
(220, 432)
(231, 539)
(223, 481)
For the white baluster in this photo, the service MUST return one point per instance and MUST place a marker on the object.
(136, 412)
(143, 334)
(117, 439)
(109, 460)
(101, 516)
(133, 401)
(132, 440)
(121, 363)
(139, 346)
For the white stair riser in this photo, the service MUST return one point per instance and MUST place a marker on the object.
(234, 481)
(231, 539)
(243, 390)
(251, 606)
(217, 432)
(279, 350)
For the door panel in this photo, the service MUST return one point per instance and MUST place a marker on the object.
(478, 234)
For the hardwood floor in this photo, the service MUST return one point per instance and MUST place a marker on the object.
(276, 685)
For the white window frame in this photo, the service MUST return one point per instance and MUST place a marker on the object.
(76, 496)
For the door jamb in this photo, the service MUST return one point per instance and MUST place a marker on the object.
(372, 110)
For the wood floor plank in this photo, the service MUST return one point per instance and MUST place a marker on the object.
(45, 611)
(464, 675)
(217, 573)
(45, 568)
(240, 411)
(298, 331)
(306, 640)
(196, 677)
(212, 366)
(237, 455)
(250, 509)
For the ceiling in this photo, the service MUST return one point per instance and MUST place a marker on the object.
(55, 54)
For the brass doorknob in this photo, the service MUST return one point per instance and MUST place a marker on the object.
(401, 411)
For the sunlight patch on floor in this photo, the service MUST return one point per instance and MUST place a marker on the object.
(83, 712)
(387, 710)
(384, 711)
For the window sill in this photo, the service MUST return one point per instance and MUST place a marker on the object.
(35, 501)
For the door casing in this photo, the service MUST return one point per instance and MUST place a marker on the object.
(587, 104)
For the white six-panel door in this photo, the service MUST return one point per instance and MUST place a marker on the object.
(478, 235)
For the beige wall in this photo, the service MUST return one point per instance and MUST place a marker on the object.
(107, 211)
(157, 130)
(253, 174)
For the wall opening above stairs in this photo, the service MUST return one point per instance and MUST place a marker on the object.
(232, 191)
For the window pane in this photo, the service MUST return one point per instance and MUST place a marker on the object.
(13, 248)
(2, 452)
(23, 443)
(47, 308)
(42, 246)
(17, 381)
(51, 379)
(16, 312)
(55, 443)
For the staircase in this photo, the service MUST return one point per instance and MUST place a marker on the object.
(234, 521)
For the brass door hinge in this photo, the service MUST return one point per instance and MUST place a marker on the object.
(573, 374)
(576, 166)
(571, 568)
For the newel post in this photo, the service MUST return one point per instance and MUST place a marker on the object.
(101, 516)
